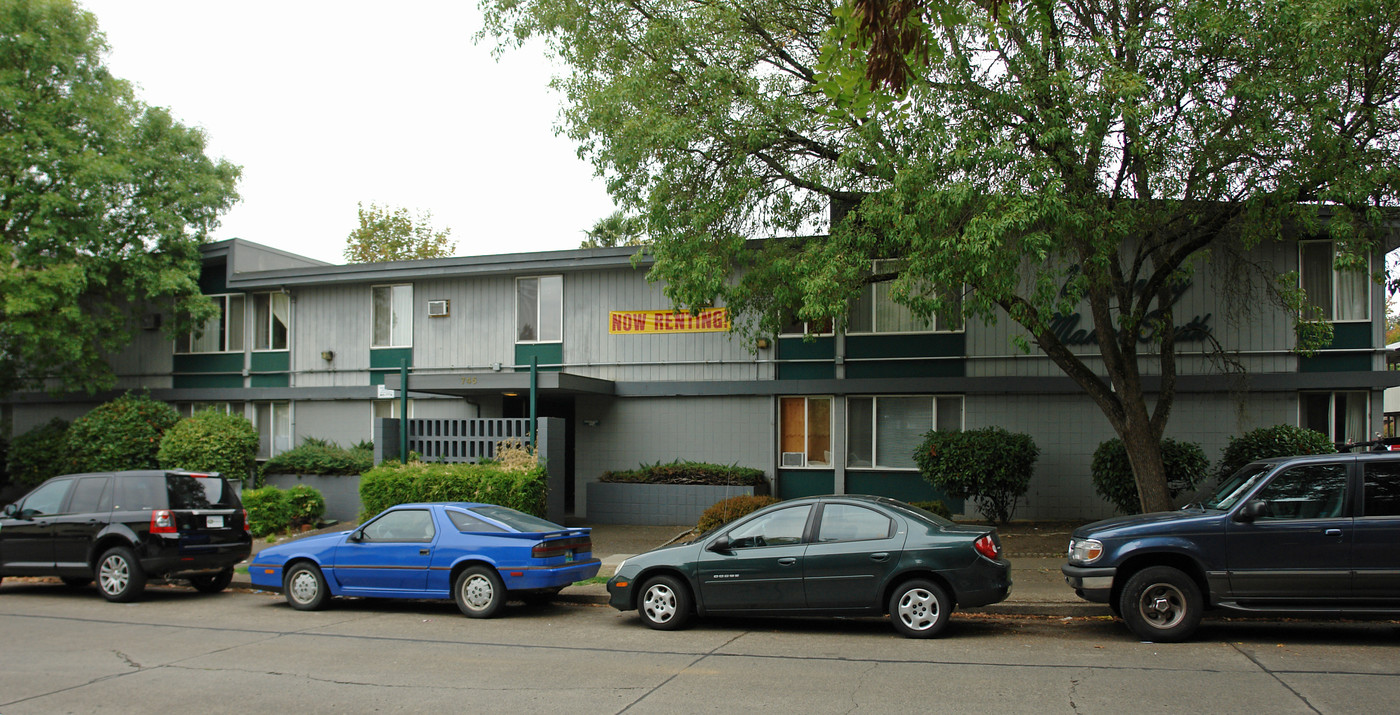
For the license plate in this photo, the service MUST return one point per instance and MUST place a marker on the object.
(568, 557)
(214, 522)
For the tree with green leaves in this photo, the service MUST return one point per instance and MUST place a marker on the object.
(395, 235)
(615, 229)
(104, 202)
(1036, 157)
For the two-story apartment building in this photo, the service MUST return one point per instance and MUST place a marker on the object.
(307, 349)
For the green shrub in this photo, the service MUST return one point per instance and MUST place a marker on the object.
(211, 441)
(320, 457)
(1185, 464)
(269, 510)
(990, 466)
(306, 506)
(936, 507)
(39, 454)
(122, 434)
(726, 510)
(679, 472)
(1265, 442)
(393, 483)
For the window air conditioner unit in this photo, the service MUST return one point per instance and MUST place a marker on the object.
(150, 321)
(794, 459)
(439, 308)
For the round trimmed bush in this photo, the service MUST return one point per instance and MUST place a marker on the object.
(990, 466)
(122, 434)
(726, 510)
(1276, 441)
(305, 505)
(39, 454)
(1185, 464)
(211, 441)
(269, 510)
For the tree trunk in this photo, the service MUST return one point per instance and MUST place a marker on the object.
(1144, 447)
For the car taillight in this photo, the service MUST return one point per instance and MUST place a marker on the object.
(247, 528)
(987, 546)
(561, 547)
(163, 522)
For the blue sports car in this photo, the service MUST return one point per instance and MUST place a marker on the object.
(479, 554)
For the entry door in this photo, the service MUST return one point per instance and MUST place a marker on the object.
(26, 542)
(762, 568)
(392, 555)
(1300, 550)
(89, 510)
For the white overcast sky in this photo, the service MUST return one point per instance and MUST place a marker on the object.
(326, 104)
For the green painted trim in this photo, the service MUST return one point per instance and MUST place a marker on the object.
(1351, 336)
(803, 349)
(206, 381)
(1345, 362)
(805, 483)
(281, 380)
(917, 345)
(208, 362)
(279, 361)
(389, 358)
(213, 278)
(904, 486)
(546, 353)
(906, 368)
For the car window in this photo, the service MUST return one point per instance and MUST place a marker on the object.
(777, 528)
(47, 499)
(518, 520)
(1232, 489)
(91, 494)
(401, 525)
(141, 493)
(466, 522)
(847, 522)
(1382, 489)
(191, 492)
(1313, 491)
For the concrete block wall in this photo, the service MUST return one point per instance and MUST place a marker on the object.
(654, 504)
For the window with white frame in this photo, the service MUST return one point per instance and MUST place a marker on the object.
(804, 429)
(273, 421)
(222, 333)
(393, 316)
(1342, 416)
(539, 309)
(229, 408)
(271, 316)
(388, 409)
(1341, 295)
(875, 310)
(883, 431)
(808, 327)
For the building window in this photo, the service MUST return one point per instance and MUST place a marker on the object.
(222, 333)
(271, 315)
(875, 310)
(1340, 295)
(273, 421)
(883, 432)
(393, 316)
(804, 426)
(808, 327)
(189, 408)
(1342, 416)
(388, 409)
(539, 309)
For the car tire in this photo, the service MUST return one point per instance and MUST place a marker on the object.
(304, 587)
(664, 603)
(1161, 604)
(119, 575)
(920, 609)
(479, 592)
(75, 581)
(212, 583)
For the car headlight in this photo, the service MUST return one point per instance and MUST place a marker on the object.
(620, 567)
(1085, 551)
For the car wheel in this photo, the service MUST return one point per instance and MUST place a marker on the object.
(119, 575)
(213, 583)
(305, 587)
(665, 603)
(75, 581)
(920, 609)
(1161, 604)
(479, 592)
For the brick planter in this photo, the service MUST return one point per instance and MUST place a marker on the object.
(656, 504)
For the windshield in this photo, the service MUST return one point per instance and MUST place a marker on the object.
(1228, 492)
(519, 521)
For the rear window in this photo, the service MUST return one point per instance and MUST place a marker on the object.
(190, 492)
(519, 521)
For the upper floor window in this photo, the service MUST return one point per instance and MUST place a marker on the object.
(808, 327)
(393, 316)
(539, 309)
(884, 431)
(1341, 295)
(804, 426)
(222, 333)
(271, 315)
(875, 310)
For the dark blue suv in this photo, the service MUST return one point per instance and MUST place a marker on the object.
(1315, 535)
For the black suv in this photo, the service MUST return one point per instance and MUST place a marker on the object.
(1316, 535)
(125, 527)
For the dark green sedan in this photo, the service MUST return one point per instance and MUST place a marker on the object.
(821, 556)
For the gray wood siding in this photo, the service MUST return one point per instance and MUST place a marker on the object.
(334, 318)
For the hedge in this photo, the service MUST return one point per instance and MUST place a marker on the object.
(679, 472)
(269, 510)
(211, 441)
(122, 434)
(39, 454)
(393, 483)
(1185, 464)
(1265, 442)
(323, 458)
(726, 510)
(990, 466)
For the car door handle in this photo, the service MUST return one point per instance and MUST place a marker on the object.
(787, 561)
(881, 556)
(424, 552)
(1333, 532)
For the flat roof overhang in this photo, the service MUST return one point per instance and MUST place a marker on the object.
(465, 384)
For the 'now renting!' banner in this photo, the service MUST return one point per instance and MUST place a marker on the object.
(653, 322)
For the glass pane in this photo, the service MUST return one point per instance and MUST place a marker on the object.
(281, 318)
(210, 339)
(282, 414)
(819, 431)
(1310, 492)
(950, 414)
(402, 332)
(1317, 275)
(780, 528)
(844, 522)
(262, 419)
(860, 432)
(901, 423)
(1382, 489)
(891, 317)
(552, 308)
(1317, 412)
(382, 315)
(1353, 295)
(951, 318)
(87, 497)
(792, 425)
(862, 318)
(1351, 413)
(526, 309)
(47, 499)
(235, 324)
(262, 321)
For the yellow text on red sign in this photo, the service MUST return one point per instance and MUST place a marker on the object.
(655, 322)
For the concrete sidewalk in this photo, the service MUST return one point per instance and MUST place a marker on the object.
(1038, 588)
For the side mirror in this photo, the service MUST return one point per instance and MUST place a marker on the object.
(720, 544)
(357, 535)
(1253, 510)
(11, 510)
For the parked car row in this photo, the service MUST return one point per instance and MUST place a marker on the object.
(1296, 535)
